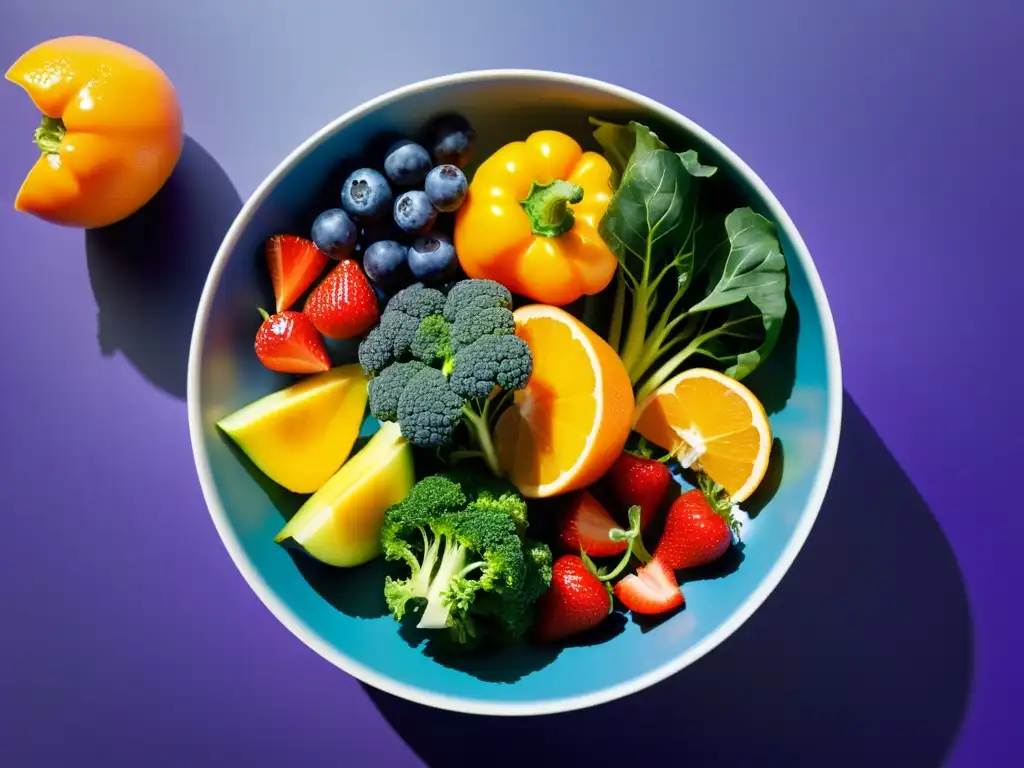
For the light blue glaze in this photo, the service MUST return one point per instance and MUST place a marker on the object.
(229, 376)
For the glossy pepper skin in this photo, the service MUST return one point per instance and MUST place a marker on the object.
(530, 220)
(111, 133)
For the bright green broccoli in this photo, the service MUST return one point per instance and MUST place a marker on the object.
(466, 340)
(472, 575)
(432, 343)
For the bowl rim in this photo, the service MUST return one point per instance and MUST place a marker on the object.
(369, 676)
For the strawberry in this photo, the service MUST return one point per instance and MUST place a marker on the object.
(289, 343)
(575, 602)
(698, 529)
(641, 481)
(585, 524)
(344, 305)
(651, 590)
(294, 263)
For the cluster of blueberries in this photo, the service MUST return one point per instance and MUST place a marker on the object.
(429, 181)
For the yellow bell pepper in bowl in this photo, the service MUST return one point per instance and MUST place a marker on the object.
(530, 220)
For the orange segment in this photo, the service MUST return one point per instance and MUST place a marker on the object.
(712, 423)
(568, 425)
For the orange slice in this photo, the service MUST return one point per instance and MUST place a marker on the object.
(569, 424)
(712, 423)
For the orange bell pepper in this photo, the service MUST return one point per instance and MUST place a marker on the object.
(111, 131)
(530, 220)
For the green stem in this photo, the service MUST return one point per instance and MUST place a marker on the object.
(482, 436)
(50, 134)
(670, 366)
(661, 342)
(636, 334)
(263, 313)
(634, 548)
(618, 310)
(547, 206)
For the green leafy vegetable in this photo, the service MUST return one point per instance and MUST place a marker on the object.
(696, 280)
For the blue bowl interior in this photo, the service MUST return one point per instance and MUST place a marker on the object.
(344, 609)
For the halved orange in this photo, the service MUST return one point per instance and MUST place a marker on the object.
(569, 424)
(713, 423)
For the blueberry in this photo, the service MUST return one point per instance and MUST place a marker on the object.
(414, 213)
(432, 258)
(365, 195)
(451, 140)
(385, 263)
(406, 163)
(446, 187)
(334, 233)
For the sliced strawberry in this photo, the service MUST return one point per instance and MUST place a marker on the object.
(344, 305)
(288, 342)
(575, 602)
(294, 263)
(653, 589)
(585, 524)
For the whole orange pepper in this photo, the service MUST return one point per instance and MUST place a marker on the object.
(111, 131)
(530, 220)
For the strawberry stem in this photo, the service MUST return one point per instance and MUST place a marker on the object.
(263, 313)
(718, 500)
(635, 548)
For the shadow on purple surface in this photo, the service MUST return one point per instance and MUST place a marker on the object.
(148, 271)
(863, 655)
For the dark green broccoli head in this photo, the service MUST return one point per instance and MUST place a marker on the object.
(475, 295)
(502, 361)
(428, 409)
(472, 325)
(385, 390)
(432, 342)
(417, 301)
(389, 342)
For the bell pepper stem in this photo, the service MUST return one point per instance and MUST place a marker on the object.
(547, 206)
(50, 134)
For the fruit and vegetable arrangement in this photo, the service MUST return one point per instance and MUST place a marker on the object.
(495, 403)
(521, 472)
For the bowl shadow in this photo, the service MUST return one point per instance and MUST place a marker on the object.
(148, 271)
(862, 655)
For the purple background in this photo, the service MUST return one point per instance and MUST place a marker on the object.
(891, 132)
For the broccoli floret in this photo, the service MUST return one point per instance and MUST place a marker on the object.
(375, 352)
(417, 301)
(400, 328)
(388, 343)
(471, 573)
(494, 321)
(428, 409)
(391, 341)
(538, 568)
(432, 343)
(385, 390)
(489, 362)
(494, 493)
(471, 296)
(467, 341)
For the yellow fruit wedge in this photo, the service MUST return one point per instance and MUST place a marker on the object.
(300, 435)
(713, 423)
(340, 524)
